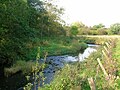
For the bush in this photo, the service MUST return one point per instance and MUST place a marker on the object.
(74, 30)
(115, 28)
(83, 46)
(80, 47)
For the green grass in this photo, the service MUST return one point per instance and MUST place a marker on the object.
(116, 56)
(57, 46)
(116, 52)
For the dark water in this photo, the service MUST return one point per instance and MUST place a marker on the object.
(13, 82)
(17, 81)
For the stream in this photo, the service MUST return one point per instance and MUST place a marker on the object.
(55, 63)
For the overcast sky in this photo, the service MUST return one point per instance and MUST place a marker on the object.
(91, 12)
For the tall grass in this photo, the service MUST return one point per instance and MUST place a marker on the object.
(19, 66)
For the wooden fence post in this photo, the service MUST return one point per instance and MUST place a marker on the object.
(103, 69)
(104, 54)
(105, 48)
(92, 83)
(107, 44)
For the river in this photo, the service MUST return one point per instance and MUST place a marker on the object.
(55, 63)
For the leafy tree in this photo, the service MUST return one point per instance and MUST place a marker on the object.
(102, 31)
(115, 28)
(81, 27)
(96, 27)
(74, 30)
(79, 24)
(21, 23)
(46, 20)
(53, 20)
(15, 32)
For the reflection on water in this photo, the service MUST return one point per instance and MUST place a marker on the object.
(91, 48)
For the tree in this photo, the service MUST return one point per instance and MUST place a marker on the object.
(45, 18)
(21, 22)
(115, 28)
(99, 26)
(53, 20)
(14, 28)
(82, 29)
(74, 30)
(78, 24)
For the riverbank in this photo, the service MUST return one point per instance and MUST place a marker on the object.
(54, 63)
(75, 76)
(52, 46)
(116, 57)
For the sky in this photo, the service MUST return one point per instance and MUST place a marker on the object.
(91, 12)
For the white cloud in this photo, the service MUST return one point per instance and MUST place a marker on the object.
(91, 12)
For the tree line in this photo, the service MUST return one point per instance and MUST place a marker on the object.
(23, 23)
(78, 28)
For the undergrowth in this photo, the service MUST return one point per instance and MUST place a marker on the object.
(75, 76)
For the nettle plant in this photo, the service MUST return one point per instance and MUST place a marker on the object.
(37, 76)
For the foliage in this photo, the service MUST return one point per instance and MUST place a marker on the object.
(15, 32)
(80, 47)
(74, 30)
(116, 56)
(102, 31)
(78, 28)
(99, 26)
(85, 30)
(37, 70)
(115, 28)
(74, 76)
(67, 79)
(23, 24)
(78, 24)
(60, 45)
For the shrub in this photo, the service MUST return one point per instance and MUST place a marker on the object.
(80, 47)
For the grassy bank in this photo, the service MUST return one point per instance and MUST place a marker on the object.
(58, 46)
(53, 46)
(116, 57)
(19, 66)
(75, 76)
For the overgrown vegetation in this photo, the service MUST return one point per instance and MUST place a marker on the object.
(116, 57)
(75, 76)
(60, 46)
(19, 66)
